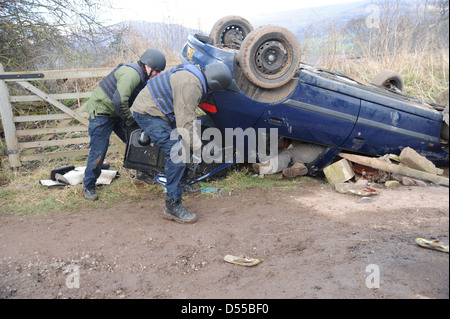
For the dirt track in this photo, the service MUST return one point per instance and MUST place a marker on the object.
(314, 242)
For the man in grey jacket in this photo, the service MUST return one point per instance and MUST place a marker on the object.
(169, 102)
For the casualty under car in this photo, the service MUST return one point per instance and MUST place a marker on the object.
(272, 88)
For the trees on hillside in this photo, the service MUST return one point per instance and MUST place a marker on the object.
(49, 33)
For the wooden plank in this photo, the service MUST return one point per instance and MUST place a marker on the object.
(81, 140)
(51, 130)
(64, 74)
(68, 154)
(8, 124)
(64, 96)
(54, 102)
(34, 118)
(394, 168)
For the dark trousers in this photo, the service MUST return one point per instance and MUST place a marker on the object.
(100, 130)
(159, 132)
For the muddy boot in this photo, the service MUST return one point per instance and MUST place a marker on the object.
(145, 177)
(177, 212)
(298, 169)
(90, 194)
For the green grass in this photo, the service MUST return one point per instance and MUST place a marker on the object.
(22, 193)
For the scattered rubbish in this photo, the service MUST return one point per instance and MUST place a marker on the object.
(432, 244)
(62, 170)
(353, 188)
(64, 176)
(408, 181)
(391, 184)
(396, 168)
(243, 261)
(364, 170)
(210, 190)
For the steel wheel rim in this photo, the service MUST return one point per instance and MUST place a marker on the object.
(270, 59)
(231, 34)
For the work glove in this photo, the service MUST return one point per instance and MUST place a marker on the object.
(130, 125)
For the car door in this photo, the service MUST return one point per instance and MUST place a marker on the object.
(315, 114)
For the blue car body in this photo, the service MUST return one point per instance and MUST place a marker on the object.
(328, 109)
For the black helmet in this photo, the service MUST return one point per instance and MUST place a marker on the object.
(218, 76)
(154, 59)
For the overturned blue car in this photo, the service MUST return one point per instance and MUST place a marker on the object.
(272, 88)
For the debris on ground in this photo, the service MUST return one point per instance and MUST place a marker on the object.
(339, 172)
(432, 244)
(359, 188)
(242, 260)
(70, 175)
(211, 190)
(411, 158)
(409, 169)
(391, 168)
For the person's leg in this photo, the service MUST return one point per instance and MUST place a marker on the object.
(100, 130)
(274, 165)
(159, 131)
(302, 153)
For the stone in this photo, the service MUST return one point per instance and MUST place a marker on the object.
(339, 172)
(412, 159)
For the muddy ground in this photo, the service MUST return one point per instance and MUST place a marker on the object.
(314, 243)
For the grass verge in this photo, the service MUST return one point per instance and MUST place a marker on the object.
(22, 193)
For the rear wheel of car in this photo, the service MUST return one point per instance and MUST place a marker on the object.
(389, 79)
(230, 31)
(269, 56)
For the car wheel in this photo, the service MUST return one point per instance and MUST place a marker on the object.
(230, 31)
(269, 56)
(389, 79)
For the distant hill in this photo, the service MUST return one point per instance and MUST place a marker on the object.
(295, 20)
(168, 36)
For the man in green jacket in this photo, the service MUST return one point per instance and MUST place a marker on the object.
(109, 110)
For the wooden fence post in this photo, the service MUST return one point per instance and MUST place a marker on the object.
(8, 124)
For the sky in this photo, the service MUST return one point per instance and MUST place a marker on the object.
(202, 14)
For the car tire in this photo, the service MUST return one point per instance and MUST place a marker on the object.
(230, 31)
(269, 56)
(389, 79)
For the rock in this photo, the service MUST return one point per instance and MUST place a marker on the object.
(408, 181)
(391, 183)
(339, 172)
(442, 98)
(412, 159)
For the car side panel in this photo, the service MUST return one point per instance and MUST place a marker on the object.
(382, 130)
(315, 115)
